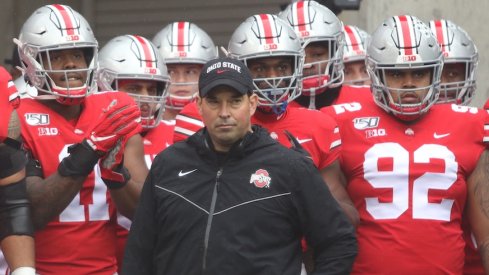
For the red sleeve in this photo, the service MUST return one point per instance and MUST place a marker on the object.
(9, 100)
(328, 140)
(187, 122)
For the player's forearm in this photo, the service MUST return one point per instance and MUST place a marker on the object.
(484, 254)
(351, 212)
(126, 198)
(49, 197)
(18, 251)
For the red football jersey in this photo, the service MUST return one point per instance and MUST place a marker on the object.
(81, 240)
(155, 141)
(408, 182)
(316, 132)
(9, 100)
(187, 122)
(353, 94)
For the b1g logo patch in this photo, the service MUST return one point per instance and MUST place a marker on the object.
(37, 119)
(261, 178)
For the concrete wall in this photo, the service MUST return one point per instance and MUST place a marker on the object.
(468, 14)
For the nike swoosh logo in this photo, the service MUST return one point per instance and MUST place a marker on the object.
(181, 173)
(221, 71)
(435, 135)
(303, 140)
(94, 138)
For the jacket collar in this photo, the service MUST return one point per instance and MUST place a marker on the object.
(250, 142)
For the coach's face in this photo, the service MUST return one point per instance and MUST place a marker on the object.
(226, 113)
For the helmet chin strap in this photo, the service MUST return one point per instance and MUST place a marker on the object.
(66, 100)
(312, 99)
(277, 109)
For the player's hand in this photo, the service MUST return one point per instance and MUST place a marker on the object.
(116, 121)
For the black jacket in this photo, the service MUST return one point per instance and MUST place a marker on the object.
(243, 214)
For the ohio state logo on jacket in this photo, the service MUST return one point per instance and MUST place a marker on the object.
(261, 178)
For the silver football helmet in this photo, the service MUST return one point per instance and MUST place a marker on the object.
(184, 42)
(132, 57)
(52, 28)
(356, 42)
(403, 43)
(264, 36)
(314, 22)
(457, 47)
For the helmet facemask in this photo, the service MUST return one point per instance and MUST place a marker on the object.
(50, 29)
(458, 50)
(177, 102)
(131, 64)
(274, 93)
(67, 94)
(390, 97)
(323, 74)
(459, 92)
(405, 63)
(151, 107)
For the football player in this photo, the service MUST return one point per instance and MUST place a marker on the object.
(322, 37)
(407, 160)
(458, 85)
(79, 143)
(185, 48)
(16, 229)
(354, 53)
(458, 79)
(132, 64)
(275, 61)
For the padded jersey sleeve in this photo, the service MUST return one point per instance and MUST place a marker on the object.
(187, 122)
(9, 100)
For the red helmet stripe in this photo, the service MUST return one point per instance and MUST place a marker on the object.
(351, 38)
(440, 34)
(148, 56)
(440, 30)
(182, 26)
(68, 23)
(267, 28)
(405, 35)
(301, 24)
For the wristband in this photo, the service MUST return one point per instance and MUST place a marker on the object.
(24, 270)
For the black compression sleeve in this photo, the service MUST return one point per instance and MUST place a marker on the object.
(12, 160)
(15, 215)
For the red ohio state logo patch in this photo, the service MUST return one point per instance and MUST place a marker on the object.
(261, 178)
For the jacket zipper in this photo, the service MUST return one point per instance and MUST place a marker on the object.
(209, 219)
